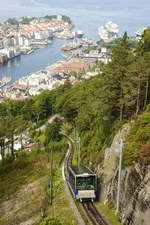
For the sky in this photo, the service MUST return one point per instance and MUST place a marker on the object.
(25, 7)
(128, 14)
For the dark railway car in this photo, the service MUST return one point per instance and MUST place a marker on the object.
(83, 182)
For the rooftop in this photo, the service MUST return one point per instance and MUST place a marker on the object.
(71, 66)
(80, 170)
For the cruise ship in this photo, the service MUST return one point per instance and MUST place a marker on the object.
(108, 32)
(140, 32)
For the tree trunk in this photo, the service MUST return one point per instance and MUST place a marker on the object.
(138, 96)
(146, 92)
(121, 97)
(12, 146)
(2, 151)
(21, 141)
(121, 112)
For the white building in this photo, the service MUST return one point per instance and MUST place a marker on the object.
(8, 51)
(27, 42)
(59, 17)
(35, 91)
(23, 81)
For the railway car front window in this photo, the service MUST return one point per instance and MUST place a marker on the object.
(85, 183)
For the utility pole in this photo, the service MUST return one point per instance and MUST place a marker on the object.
(51, 183)
(78, 149)
(79, 152)
(119, 178)
(77, 141)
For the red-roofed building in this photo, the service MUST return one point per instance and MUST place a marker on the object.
(71, 66)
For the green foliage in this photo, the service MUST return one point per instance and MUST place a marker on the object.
(138, 147)
(94, 106)
(110, 44)
(109, 212)
(87, 50)
(50, 221)
(50, 17)
(60, 146)
(13, 21)
(21, 171)
(52, 132)
(26, 20)
(64, 18)
(8, 159)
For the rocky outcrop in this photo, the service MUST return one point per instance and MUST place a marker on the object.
(135, 185)
(136, 207)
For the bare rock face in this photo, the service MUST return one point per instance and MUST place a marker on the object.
(137, 209)
(135, 185)
(108, 172)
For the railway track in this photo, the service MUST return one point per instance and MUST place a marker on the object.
(93, 214)
(69, 157)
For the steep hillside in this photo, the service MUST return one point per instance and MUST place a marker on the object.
(135, 178)
(101, 110)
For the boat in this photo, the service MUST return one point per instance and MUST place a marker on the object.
(86, 43)
(4, 81)
(108, 32)
(71, 46)
(79, 34)
(140, 32)
(30, 51)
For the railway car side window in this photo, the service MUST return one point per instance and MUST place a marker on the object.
(72, 180)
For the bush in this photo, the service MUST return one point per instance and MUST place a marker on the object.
(138, 141)
(50, 221)
(21, 154)
(8, 159)
(145, 153)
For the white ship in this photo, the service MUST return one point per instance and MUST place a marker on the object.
(140, 32)
(71, 46)
(79, 34)
(108, 32)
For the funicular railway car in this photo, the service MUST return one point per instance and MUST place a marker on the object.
(83, 182)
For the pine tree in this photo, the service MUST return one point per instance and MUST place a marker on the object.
(143, 53)
(116, 74)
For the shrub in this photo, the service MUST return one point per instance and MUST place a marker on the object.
(8, 159)
(145, 153)
(50, 221)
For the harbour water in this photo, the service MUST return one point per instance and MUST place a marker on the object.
(27, 64)
(87, 15)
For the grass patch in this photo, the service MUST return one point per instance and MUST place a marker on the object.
(22, 187)
(109, 214)
(22, 171)
(60, 206)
